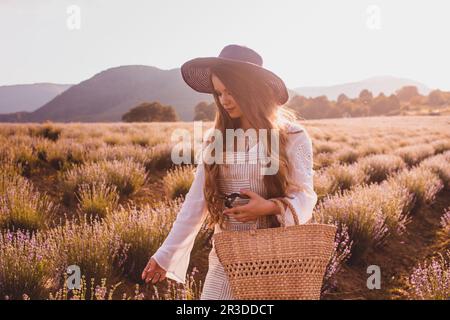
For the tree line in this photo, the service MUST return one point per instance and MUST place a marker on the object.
(366, 104)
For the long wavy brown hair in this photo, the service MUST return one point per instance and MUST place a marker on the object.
(257, 103)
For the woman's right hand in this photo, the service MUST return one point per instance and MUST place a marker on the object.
(153, 272)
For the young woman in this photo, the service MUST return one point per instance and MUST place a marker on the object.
(247, 96)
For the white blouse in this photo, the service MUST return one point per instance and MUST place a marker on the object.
(174, 254)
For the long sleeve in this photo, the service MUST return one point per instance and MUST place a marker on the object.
(300, 154)
(174, 254)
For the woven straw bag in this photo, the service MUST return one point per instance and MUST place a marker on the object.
(286, 263)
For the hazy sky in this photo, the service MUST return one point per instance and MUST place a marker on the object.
(305, 42)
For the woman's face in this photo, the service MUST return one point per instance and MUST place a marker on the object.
(226, 99)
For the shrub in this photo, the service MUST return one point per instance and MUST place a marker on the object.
(341, 177)
(21, 205)
(27, 266)
(91, 245)
(47, 131)
(367, 149)
(127, 176)
(346, 155)
(94, 292)
(412, 155)
(160, 157)
(24, 157)
(365, 222)
(445, 224)
(440, 165)
(326, 146)
(135, 153)
(113, 140)
(421, 182)
(431, 280)
(445, 221)
(143, 231)
(178, 181)
(146, 141)
(322, 184)
(140, 140)
(192, 290)
(323, 160)
(97, 199)
(371, 213)
(378, 167)
(441, 145)
(65, 153)
(341, 253)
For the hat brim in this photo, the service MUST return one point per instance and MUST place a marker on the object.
(196, 73)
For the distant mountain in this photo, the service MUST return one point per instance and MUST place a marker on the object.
(385, 84)
(111, 93)
(28, 97)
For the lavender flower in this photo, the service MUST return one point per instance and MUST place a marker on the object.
(431, 280)
(341, 252)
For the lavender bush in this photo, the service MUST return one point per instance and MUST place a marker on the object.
(127, 176)
(91, 245)
(93, 291)
(341, 253)
(98, 199)
(178, 181)
(160, 157)
(440, 165)
(21, 205)
(423, 183)
(27, 266)
(371, 213)
(412, 155)
(431, 280)
(142, 230)
(445, 225)
(378, 167)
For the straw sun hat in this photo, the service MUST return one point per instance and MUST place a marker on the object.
(196, 72)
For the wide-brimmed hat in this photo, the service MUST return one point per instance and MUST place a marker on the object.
(197, 74)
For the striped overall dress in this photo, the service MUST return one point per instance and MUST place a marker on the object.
(243, 173)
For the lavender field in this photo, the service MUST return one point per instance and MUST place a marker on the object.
(103, 197)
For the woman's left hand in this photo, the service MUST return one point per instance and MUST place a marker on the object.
(256, 207)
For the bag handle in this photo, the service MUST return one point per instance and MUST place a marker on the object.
(280, 202)
(283, 211)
